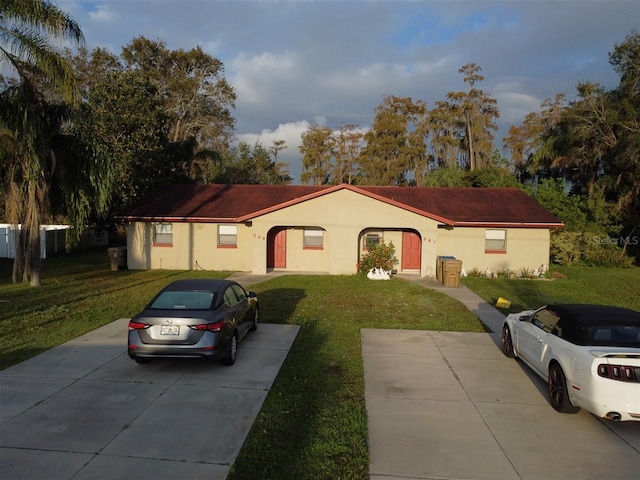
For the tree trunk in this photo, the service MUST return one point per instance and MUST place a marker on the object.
(18, 259)
(472, 160)
(36, 260)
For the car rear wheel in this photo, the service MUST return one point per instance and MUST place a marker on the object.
(230, 358)
(254, 325)
(558, 394)
(507, 343)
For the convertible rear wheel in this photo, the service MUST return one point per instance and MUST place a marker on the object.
(507, 343)
(558, 394)
(230, 358)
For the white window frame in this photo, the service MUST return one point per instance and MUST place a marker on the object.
(227, 236)
(378, 236)
(313, 238)
(495, 240)
(163, 233)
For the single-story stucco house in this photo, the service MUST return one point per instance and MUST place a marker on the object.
(297, 228)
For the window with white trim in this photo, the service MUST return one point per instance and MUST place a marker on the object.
(313, 238)
(163, 234)
(371, 240)
(227, 235)
(495, 241)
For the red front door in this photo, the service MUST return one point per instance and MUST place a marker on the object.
(411, 247)
(277, 249)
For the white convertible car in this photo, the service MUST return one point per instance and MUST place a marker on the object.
(588, 354)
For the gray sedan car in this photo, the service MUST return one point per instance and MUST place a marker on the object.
(199, 318)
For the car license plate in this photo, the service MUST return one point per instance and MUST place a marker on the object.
(169, 330)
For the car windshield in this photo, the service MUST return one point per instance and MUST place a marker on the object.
(188, 300)
(614, 335)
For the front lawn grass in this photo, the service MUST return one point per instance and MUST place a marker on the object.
(605, 286)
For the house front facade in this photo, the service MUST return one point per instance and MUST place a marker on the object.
(258, 228)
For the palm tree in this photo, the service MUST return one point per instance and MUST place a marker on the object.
(28, 29)
(28, 122)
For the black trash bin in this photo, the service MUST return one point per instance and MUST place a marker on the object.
(118, 258)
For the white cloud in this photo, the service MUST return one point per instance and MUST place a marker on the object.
(289, 132)
(256, 77)
(513, 102)
(103, 14)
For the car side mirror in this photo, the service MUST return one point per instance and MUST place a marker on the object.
(525, 318)
(252, 295)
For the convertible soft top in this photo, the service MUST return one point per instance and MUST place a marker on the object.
(589, 315)
(598, 325)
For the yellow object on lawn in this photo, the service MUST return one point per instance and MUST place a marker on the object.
(503, 303)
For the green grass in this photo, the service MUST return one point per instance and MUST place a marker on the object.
(605, 286)
(313, 423)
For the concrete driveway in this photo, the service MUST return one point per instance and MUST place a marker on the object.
(85, 411)
(448, 405)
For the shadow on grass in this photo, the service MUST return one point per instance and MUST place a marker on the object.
(314, 410)
(277, 305)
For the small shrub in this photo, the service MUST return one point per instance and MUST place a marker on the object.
(502, 273)
(529, 273)
(380, 256)
(475, 273)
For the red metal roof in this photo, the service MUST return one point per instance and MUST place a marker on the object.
(238, 203)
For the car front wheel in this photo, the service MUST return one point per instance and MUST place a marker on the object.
(558, 394)
(507, 343)
(254, 325)
(230, 358)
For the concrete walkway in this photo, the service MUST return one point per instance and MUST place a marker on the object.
(449, 405)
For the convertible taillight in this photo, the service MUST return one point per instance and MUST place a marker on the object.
(211, 327)
(138, 326)
(623, 373)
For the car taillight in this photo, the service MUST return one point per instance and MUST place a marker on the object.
(138, 326)
(623, 373)
(211, 327)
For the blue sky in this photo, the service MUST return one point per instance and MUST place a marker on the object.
(295, 63)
